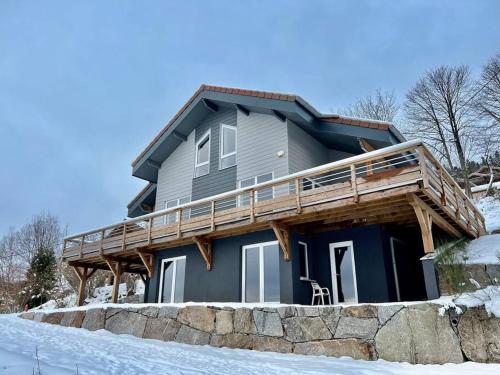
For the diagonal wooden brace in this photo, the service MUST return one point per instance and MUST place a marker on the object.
(205, 248)
(148, 260)
(281, 234)
(83, 275)
(116, 268)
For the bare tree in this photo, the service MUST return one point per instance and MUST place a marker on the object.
(439, 110)
(487, 100)
(382, 106)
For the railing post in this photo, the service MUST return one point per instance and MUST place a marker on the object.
(150, 227)
(252, 206)
(443, 191)
(354, 183)
(466, 205)
(123, 235)
(179, 222)
(212, 216)
(297, 194)
(101, 242)
(423, 167)
(457, 211)
(81, 246)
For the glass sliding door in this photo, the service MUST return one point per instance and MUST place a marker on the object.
(260, 279)
(343, 273)
(172, 278)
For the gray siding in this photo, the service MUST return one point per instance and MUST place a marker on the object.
(176, 173)
(260, 137)
(217, 181)
(304, 151)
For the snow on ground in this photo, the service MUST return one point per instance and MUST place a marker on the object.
(61, 349)
(490, 208)
(484, 250)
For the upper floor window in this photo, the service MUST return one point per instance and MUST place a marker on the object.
(172, 217)
(227, 146)
(202, 161)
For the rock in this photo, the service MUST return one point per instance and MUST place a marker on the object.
(286, 311)
(168, 312)
(73, 318)
(149, 311)
(387, 312)
(417, 334)
(354, 348)
(331, 316)
(267, 323)
(233, 340)
(198, 317)
(361, 311)
(38, 316)
(126, 322)
(349, 327)
(480, 336)
(161, 329)
(223, 322)
(53, 318)
(94, 319)
(307, 311)
(27, 315)
(271, 344)
(243, 321)
(188, 335)
(300, 329)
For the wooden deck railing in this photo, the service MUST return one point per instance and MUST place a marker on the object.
(395, 166)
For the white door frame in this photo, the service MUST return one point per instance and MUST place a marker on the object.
(174, 274)
(333, 267)
(394, 266)
(260, 245)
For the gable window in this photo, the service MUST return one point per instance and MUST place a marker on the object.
(260, 194)
(172, 217)
(202, 162)
(303, 261)
(227, 146)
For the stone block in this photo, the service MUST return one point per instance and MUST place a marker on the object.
(300, 329)
(168, 312)
(360, 311)
(161, 329)
(271, 344)
(354, 348)
(267, 323)
(53, 317)
(127, 323)
(224, 322)
(73, 318)
(94, 319)
(188, 335)
(232, 340)
(243, 321)
(349, 327)
(198, 317)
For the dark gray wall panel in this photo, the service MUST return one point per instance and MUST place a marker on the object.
(217, 181)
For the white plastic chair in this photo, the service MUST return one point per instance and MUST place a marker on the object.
(320, 293)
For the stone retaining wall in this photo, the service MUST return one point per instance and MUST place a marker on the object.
(415, 333)
(483, 274)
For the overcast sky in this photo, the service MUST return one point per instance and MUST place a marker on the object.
(85, 87)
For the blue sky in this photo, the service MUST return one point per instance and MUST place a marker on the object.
(85, 86)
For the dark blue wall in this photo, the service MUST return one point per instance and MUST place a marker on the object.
(223, 282)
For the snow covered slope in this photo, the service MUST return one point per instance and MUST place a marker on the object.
(61, 350)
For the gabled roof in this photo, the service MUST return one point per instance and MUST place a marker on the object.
(286, 105)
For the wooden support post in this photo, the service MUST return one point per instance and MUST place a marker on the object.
(281, 234)
(297, 195)
(252, 206)
(116, 269)
(83, 275)
(212, 216)
(205, 248)
(148, 260)
(423, 167)
(354, 183)
(425, 221)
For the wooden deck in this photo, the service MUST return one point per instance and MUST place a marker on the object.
(401, 184)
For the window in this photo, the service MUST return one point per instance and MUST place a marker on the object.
(261, 276)
(261, 194)
(303, 261)
(173, 271)
(172, 217)
(202, 162)
(227, 146)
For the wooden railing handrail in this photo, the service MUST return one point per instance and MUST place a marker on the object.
(354, 160)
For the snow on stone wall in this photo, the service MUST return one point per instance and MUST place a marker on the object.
(416, 333)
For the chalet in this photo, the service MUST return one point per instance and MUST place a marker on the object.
(253, 195)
